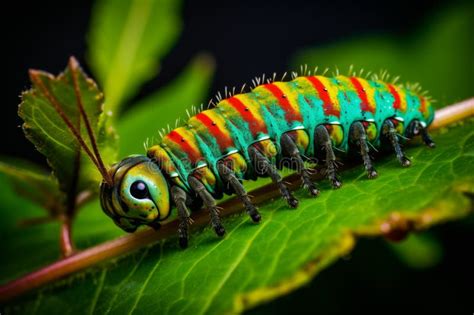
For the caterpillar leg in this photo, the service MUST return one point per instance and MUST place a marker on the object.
(179, 197)
(209, 203)
(323, 141)
(229, 177)
(358, 136)
(289, 147)
(427, 138)
(263, 166)
(390, 133)
(415, 128)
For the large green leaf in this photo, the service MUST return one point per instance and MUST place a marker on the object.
(255, 263)
(127, 39)
(43, 110)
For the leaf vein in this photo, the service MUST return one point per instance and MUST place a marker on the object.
(232, 267)
(98, 290)
(121, 284)
(145, 284)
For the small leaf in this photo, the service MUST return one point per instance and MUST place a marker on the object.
(127, 39)
(160, 109)
(34, 183)
(46, 110)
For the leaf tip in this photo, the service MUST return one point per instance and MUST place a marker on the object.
(34, 74)
(73, 63)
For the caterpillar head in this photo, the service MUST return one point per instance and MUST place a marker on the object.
(139, 194)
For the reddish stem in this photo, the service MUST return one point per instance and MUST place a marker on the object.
(65, 237)
(453, 113)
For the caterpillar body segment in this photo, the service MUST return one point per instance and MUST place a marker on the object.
(249, 135)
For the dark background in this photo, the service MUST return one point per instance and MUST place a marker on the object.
(248, 38)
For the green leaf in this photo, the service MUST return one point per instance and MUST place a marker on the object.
(439, 56)
(160, 109)
(127, 39)
(255, 263)
(34, 183)
(43, 109)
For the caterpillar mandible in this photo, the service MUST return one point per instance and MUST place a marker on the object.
(250, 135)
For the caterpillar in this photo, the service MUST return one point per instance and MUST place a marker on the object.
(254, 134)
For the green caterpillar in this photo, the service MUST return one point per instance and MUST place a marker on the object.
(249, 135)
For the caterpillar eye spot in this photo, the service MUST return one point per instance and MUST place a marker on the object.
(139, 190)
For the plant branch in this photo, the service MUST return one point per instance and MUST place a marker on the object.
(456, 112)
(125, 244)
(65, 236)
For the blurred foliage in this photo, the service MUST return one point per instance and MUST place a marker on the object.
(439, 55)
(34, 183)
(419, 251)
(161, 109)
(127, 39)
